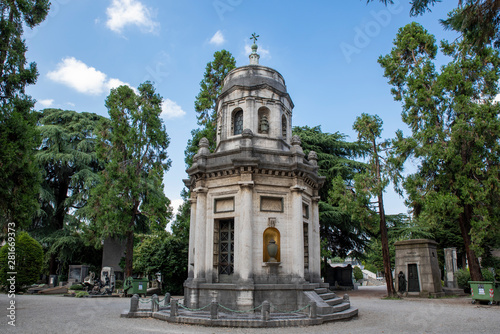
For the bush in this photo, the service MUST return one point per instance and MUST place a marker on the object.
(81, 294)
(358, 274)
(371, 267)
(463, 278)
(487, 275)
(76, 287)
(28, 260)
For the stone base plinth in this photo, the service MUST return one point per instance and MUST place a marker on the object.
(285, 297)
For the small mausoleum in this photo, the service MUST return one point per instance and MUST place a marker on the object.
(254, 233)
(417, 269)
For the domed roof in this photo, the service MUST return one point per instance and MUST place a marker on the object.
(254, 76)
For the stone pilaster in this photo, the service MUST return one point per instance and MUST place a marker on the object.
(200, 237)
(314, 243)
(244, 257)
(297, 231)
(192, 233)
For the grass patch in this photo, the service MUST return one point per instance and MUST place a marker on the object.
(391, 298)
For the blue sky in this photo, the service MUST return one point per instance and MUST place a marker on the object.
(327, 52)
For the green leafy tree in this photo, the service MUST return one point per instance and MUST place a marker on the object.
(166, 254)
(340, 234)
(455, 133)
(28, 260)
(205, 102)
(477, 20)
(66, 248)
(70, 167)
(131, 188)
(19, 175)
(69, 160)
(371, 184)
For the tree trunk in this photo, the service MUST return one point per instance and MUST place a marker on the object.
(53, 265)
(60, 212)
(385, 249)
(129, 253)
(474, 268)
(383, 229)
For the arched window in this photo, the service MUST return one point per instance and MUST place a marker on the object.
(283, 127)
(238, 122)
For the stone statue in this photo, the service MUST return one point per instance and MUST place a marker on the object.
(264, 125)
(401, 282)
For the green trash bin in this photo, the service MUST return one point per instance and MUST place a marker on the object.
(133, 286)
(485, 291)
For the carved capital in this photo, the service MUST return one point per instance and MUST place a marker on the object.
(246, 184)
(297, 188)
(200, 190)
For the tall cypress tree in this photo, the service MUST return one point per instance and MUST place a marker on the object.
(131, 189)
(19, 174)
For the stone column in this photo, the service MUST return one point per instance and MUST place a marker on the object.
(315, 243)
(192, 233)
(244, 259)
(199, 238)
(297, 231)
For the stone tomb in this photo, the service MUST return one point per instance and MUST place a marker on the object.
(417, 260)
(254, 229)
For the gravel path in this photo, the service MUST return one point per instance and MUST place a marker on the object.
(57, 314)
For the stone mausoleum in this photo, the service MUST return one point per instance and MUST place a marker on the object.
(417, 260)
(254, 233)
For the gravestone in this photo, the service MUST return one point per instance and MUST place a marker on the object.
(77, 273)
(417, 261)
(450, 265)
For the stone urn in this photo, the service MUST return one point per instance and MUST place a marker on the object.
(272, 250)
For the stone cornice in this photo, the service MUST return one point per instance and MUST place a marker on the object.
(251, 88)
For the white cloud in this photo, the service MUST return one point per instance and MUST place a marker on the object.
(45, 103)
(261, 51)
(170, 109)
(176, 203)
(497, 98)
(217, 38)
(114, 83)
(122, 13)
(83, 78)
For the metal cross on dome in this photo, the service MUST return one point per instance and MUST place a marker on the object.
(254, 37)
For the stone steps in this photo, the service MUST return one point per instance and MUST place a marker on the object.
(320, 291)
(334, 301)
(343, 315)
(330, 307)
(328, 295)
